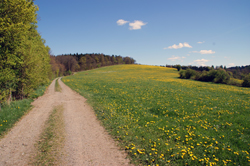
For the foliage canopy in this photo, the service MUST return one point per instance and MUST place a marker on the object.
(24, 59)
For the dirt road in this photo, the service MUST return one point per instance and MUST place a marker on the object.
(86, 142)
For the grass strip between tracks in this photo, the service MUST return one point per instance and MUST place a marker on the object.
(51, 142)
(57, 86)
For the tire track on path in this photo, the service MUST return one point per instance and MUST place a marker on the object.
(17, 146)
(87, 142)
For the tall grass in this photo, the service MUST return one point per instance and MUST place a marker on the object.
(160, 119)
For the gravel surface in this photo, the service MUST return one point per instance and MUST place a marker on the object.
(86, 142)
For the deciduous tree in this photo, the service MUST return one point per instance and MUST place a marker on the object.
(24, 59)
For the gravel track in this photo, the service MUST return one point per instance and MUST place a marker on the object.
(86, 143)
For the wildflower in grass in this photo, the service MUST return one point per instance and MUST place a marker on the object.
(173, 115)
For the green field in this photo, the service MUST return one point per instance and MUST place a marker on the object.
(160, 119)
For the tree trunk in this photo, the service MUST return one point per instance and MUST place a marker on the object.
(22, 94)
(9, 99)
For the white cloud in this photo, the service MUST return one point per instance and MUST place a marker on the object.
(207, 52)
(201, 62)
(174, 58)
(204, 52)
(187, 45)
(136, 25)
(178, 46)
(121, 22)
(231, 65)
(201, 42)
(132, 25)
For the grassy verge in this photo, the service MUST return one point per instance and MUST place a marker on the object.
(57, 86)
(51, 140)
(39, 91)
(10, 114)
(162, 120)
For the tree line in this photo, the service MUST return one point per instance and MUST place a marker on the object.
(237, 72)
(24, 59)
(68, 63)
(220, 74)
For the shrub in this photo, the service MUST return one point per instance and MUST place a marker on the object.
(211, 75)
(182, 73)
(68, 73)
(221, 76)
(197, 75)
(246, 82)
(178, 67)
(230, 73)
(203, 76)
(235, 82)
(189, 73)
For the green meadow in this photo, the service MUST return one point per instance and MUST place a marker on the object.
(160, 119)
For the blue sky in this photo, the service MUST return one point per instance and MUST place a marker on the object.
(153, 32)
